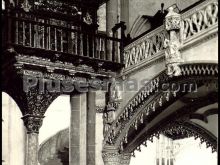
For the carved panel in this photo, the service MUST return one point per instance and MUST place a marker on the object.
(145, 48)
(199, 19)
(39, 102)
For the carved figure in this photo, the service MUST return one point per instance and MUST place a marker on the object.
(26, 6)
(88, 19)
(172, 54)
(115, 93)
(173, 58)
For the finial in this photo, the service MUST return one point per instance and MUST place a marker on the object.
(171, 9)
(162, 7)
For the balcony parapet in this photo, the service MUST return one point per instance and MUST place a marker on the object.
(34, 35)
(145, 48)
(196, 24)
(199, 21)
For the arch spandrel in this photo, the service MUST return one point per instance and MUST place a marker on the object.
(32, 102)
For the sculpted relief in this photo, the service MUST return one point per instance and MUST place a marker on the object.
(172, 45)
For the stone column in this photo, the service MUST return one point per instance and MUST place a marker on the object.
(91, 124)
(125, 13)
(33, 124)
(77, 133)
(111, 20)
(111, 14)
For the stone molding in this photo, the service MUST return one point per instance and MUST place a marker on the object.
(58, 65)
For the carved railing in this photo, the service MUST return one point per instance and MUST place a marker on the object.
(196, 21)
(199, 19)
(145, 48)
(29, 30)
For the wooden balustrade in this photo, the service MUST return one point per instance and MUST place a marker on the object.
(45, 33)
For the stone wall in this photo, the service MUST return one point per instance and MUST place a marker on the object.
(132, 9)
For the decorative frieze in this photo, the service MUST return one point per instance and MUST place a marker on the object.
(57, 6)
(59, 65)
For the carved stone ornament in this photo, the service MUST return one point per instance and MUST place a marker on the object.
(201, 19)
(87, 19)
(173, 57)
(115, 98)
(172, 20)
(39, 102)
(26, 6)
(115, 93)
(115, 158)
(172, 54)
(32, 123)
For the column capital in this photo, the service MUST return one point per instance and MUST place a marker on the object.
(32, 123)
(113, 157)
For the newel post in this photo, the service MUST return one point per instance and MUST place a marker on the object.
(172, 45)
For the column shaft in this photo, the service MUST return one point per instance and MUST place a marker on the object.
(33, 124)
(77, 148)
(111, 14)
(111, 20)
(125, 13)
(91, 124)
(32, 149)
